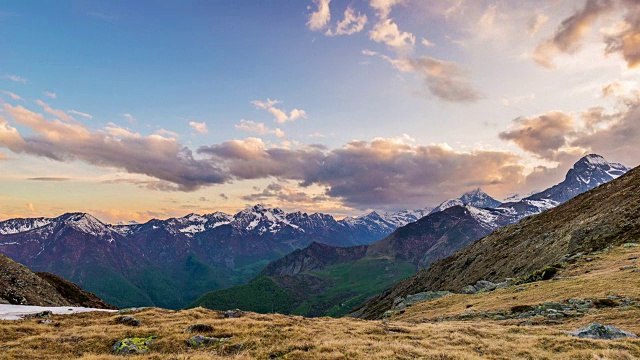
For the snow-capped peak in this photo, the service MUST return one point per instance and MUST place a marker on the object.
(14, 226)
(476, 198)
(86, 223)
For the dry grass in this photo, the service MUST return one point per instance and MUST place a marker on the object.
(254, 336)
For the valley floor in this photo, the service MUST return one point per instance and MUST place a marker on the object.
(492, 325)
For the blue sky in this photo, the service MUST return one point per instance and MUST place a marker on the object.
(319, 105)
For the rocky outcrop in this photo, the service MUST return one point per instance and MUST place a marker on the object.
(602, 332)
(73, 293)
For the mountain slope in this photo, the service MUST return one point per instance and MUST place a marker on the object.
(20, 286)
(607, 215)
(476, 198)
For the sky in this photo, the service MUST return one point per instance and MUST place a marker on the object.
(132, 110)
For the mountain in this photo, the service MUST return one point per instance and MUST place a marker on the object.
(414, 246)
(171, 262)
(605, 216)
(20, 286)
(476, 198)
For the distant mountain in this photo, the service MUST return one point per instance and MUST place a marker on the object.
(171, 262)
(607, 215)
(476, 198)
(415, 245)
(20, 286)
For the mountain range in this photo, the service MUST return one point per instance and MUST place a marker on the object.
(319, 280)
(171, 262)
(593, 221)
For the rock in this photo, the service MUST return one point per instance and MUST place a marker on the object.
(469, 290)
(484, 286)
(133, 345)
(45, 322)
(630, 267)
(520, 289)
(632, 258)
(599, 331)
(41, 314)
(127, 320)
(199, 328)
(400, 303)
(199, 340)
(131, 310)
(630, 245)
(235, 313)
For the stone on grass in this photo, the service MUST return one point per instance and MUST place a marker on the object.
(199, 328)
(134, 345)
(235, 313)
(127, 320)
(199, 340)
(599, 331)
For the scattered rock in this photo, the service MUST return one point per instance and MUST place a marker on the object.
(630, 267)
(127, 320)
(401, 303)
(131, 310)
(235, 313)
(45, 321)
(41, 314)
(485, 286)
(199, 340)
(599, 331)
(469, 290)
(630, 245)
(520, 289)
(632, 258)
(199, 328)
(133, 345)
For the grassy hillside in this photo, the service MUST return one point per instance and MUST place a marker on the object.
(456, 327)
(333, 291)
(607, 215)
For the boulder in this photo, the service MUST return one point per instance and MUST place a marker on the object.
(199, 328)
(469, 290)
(599, 331)
(235, 313)
(199, 340)
(134, 345)
(127, 320)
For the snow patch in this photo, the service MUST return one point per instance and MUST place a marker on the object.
(17, 312)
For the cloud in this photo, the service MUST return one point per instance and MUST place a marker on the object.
(622, 36)
(75, 112)
(15, 78)
(155, 156)
(49, 178)
(130, 118)
(167, 133)
(49, 94)
(258, 128)
(351, 24)
(445, 80)
(456, 8)
(320, 18)
(282, 193)
(13, 96)
(536, 23)
(199, 127)
(3, 157)
(58, 114)
(223, 196)
(618, 138)
(387, 32)
(383, 7)
(427, 43)
(280, 115)
(383, 172)
(515, 100)
(542, 135)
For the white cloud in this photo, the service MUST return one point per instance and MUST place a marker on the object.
(13, 96)
(59, 114)
(75, 112)
(427, 43)
(387, 32)
(49, 94)
(280, 115)
(383, 7)
(320, 18)
(258, 128)
(15, 78)
(351, 24)
(199, 127)
(130, 118)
